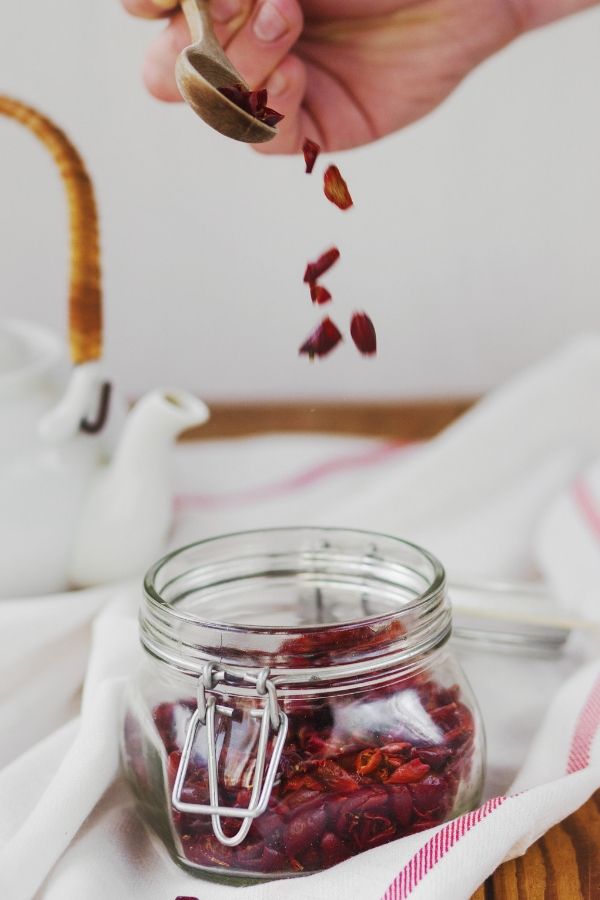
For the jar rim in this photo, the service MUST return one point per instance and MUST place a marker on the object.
(435, 588)
(274, 583)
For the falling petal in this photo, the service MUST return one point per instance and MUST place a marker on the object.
(319, 294)
(321, 265)
(336, 188)
(363, 334)
(311, 150)
(322, 340)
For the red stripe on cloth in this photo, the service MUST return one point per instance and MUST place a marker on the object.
(315, 473)
(587, 506)
(586, 729)
(435, 849)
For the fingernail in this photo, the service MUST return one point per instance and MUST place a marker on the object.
(166, 4)
(225, 10)
(269, 24)
(277, 83)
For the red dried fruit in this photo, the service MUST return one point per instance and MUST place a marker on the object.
(429, 795)
(311, 150)
(333, 849)
(369, 805)
(334, 778)
(302, 781)
(371, 831)
(396, 754)
(435, 757)
(401, 802)
(343, 785)
(304, 829)
(185, 898)
(368, 761)
(253, 102)
(363, 334)
(322, 340)
(445, 714)
(336, 189)
(323, 263)
(409, 772)
(457, 736)
(302, 798)
(319, 294)
(314, 743)
(207, 850)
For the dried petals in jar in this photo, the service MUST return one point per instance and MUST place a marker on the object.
(367, 729)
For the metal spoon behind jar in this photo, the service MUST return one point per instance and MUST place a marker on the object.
(203, 68)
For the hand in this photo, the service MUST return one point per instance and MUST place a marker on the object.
(346, 72)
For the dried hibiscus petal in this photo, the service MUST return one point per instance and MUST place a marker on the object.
(333, 849)
(336, 189)
(311, 150)
(428, 795)
(342, 786)
(371, 831)
(410, 772)
(253, 102)
(270, 116)
(368, 761)
(315, 269)
(436, 757)
(334, 777)
(319, 294)
(304, 829)
(401, 802)
(363, 334)
(322, 340)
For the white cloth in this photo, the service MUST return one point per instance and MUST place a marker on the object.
(512, 490)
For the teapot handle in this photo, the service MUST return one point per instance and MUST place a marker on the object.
(85, 292)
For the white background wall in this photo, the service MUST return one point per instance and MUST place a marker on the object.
(474, 242)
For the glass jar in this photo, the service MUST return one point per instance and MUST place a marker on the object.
(297, 703)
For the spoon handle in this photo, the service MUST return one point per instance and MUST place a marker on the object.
(200, 22)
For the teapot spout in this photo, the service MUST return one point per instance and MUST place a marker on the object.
(152, 426)
(127, 513)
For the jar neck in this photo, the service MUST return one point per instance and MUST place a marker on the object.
(311, 605)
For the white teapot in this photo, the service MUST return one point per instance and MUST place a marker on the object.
(76, 509)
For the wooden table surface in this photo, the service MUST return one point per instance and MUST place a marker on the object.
(565, 863)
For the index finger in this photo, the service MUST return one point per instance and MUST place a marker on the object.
(150, 9)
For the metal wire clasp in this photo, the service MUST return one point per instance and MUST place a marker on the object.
(271, 716)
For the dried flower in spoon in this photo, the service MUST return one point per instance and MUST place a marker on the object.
(253, 102)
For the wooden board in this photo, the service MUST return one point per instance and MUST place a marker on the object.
(405, 421)
(563, 865)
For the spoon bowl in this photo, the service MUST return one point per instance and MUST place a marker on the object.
(203, 68)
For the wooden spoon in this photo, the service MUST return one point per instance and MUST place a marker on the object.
(203, 68)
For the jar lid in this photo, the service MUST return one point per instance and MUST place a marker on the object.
(305, 602)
